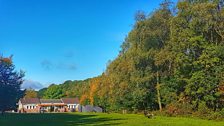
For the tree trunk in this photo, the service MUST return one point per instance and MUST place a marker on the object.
(158, 92)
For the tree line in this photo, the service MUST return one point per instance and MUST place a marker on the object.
(171, 60)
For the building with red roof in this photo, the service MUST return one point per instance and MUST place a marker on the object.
(36, 105)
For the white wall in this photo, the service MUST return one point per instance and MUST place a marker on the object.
(72, 106)
(29, 106)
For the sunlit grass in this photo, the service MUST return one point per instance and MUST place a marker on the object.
(99, 119)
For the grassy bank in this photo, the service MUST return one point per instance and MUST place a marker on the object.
(93, 119)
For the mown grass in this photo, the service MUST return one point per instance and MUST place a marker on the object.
(99, 119)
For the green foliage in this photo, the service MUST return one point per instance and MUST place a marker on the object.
(170, 59)
(203, 109)
(41, 92)
(30, 93)
(53, 92)
(10, 85)
(68, 89)
(177, 108)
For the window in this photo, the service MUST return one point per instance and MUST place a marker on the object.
(27, 107)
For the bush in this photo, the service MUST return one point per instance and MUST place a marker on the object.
(179, 109)
(222, 112)
(171, 110)
(203, 109)
(215, 116)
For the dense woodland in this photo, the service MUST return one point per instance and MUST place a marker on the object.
(172, 60)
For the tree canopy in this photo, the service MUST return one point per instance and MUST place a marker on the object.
(172, 58)
(30, 93)
(10, 84)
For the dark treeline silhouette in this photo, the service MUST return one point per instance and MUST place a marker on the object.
(10, 85)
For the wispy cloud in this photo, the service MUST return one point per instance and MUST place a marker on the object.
(66, 63)
(71, 67)
(69, 54)
(67, 66)
(30, 84)
(47, 65)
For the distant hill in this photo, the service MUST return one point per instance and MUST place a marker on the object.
(67, 89)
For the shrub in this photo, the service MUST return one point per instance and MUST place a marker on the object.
(171, 110)
(203, 109)
(215, 116)
(179, 109)
(222, 112)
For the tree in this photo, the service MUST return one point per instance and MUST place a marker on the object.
(140, 16)
(168, 58)
(53, 92)
(10, 84)
(30, 93)
(41, 92)
(84, 100)
(197, 35)
(94, 86)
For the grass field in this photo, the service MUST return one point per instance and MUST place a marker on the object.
(93, 119)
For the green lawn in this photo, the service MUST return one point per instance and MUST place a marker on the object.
(93, 119)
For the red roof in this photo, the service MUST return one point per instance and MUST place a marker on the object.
(49, 101)
(70, 100)
(30, 100)
(57, 104)
(45, 101)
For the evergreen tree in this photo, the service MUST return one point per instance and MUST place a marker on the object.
(10, 85)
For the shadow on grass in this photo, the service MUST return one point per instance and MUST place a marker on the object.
(57, 119)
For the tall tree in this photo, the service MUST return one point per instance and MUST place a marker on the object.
(10, 84)
(168, 58)
(197, 36)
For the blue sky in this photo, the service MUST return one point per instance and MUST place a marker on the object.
(58, 40)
